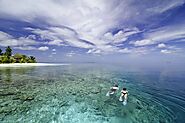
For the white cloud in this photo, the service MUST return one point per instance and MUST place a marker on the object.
(53, 52)
(160, 8)
(93, 51)
(61, 36)
(163, 34)
(44, 48)
(167, 33)
(8, 40)
(125, 50)
(120, 36)
(161, 45)
(169, 49)
(82, 13)
(21, 43)
(57, 42)
(4, 36)
(165, 51)
(93, 21)
(142, 42)
(25, 48)
(88, 24)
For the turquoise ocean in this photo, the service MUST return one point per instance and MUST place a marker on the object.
(76, 93)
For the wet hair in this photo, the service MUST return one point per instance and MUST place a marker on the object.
(116, 85)
(124, 89)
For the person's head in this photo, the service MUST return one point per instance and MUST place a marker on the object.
(124, 89)
(115, 85)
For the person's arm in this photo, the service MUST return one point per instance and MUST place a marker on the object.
(121, 92)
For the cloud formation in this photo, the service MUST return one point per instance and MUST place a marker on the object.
(163, 34)
(32, 48)
(161, 45)
(8, 40)
(99, 26)
(43, 48)
(61, 36)
(166, 51)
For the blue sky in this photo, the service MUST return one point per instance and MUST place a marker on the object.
(89, 30)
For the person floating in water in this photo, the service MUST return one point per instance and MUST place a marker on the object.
(124, 96)
(112, 90)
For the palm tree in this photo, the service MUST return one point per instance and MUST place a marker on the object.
(1, 52)
(22, 60)
(8, 51)
(18, 58)
(32, 58)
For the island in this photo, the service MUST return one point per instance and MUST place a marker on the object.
(8, 57)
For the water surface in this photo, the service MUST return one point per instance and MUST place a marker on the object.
(76, 94)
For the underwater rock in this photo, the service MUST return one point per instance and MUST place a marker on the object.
(26, 98)
(23, 108)
(139, 104)
(73, 93)
(95, 91)
(4, 104)
(29, 98)
(162, 121)
(7, 93)
(3, 110)
(7, 110)
(138, 107)
(96, 108)
(65, 103)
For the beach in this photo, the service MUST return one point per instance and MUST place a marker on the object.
(29, 64)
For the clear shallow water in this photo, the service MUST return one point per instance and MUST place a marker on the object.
(76, 94)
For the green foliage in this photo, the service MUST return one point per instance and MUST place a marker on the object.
(4, 59)
(20, 58)
(12, 60)
(32, 59)
(8, 51)
(17, 58)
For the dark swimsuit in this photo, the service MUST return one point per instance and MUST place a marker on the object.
(124, 93)
(113, 89)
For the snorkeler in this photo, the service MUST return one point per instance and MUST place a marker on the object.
(112, 90)
(124, 95)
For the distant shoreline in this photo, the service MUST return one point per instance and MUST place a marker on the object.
(30, 64)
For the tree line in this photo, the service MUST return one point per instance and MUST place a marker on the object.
(7, 57)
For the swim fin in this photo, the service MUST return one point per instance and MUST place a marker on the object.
(124, 102)
(108, 94)
(120, 99)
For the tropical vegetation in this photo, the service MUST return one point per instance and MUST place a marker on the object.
(8, 57)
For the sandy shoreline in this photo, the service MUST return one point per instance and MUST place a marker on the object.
(30, 64)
